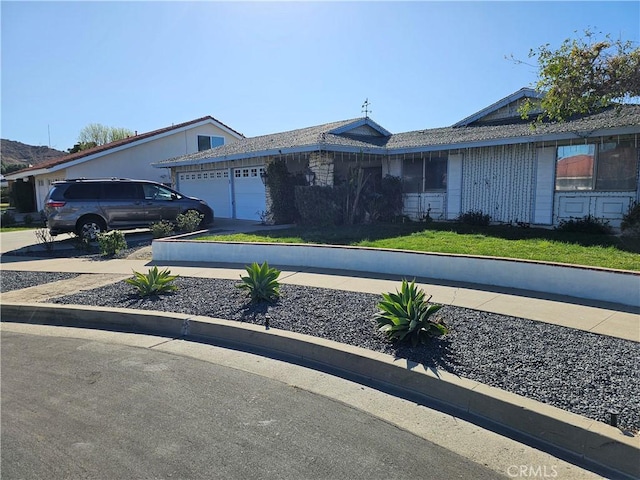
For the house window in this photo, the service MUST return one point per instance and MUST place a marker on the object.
(574, 167)
(604, 167)
(205, 142)
(616, 167)
(424, 174)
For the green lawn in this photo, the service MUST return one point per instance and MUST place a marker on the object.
(499, 241)
(17, 228)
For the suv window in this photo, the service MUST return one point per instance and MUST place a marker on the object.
(82, 191)
(121, 191)
(156, 192)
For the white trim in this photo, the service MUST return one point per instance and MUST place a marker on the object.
(454, 186)
(545, 186)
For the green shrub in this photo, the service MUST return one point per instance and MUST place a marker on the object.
(81, 243)
(7, 219)
(4, 195)
(474, 217)
(631, 220)
(282, 184)
(154, 282)
(385, 204)
(261, 282)
(321, 205)
(21, 197)
(111, 243)
(407, 314)
(44, 238)
(586, 224)
(189, 221)
(163, 228)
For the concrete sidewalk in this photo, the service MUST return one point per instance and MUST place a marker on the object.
(605, 319)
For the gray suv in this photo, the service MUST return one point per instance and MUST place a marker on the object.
(90, 206)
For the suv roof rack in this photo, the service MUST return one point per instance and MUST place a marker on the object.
(84, 179)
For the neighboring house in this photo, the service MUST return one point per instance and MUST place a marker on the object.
(491, 161)
(128, 158)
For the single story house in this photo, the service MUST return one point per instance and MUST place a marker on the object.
(492, 161)
(127, 158)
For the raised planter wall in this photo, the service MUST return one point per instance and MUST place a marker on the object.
(615, 286)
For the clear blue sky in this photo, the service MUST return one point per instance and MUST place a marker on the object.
(265, 67)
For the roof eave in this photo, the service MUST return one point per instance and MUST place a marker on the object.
(547, 137)
(271, 152)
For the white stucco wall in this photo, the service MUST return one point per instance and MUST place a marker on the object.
(43, 184)
(134, 161)
(608, 206)
(589, 283)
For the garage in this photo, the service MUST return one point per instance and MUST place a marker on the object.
(249, 192)
(215, 188)
(211, 186)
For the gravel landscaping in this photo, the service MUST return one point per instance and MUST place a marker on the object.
(16, 280)
(581, 372)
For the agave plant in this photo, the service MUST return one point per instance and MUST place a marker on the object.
(261, 282)
(407, 314)
(154, 282)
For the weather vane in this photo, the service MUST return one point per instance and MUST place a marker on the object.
(365, 108)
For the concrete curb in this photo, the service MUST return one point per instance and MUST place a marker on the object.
(587, 440)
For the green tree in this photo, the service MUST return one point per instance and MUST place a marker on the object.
(78, 147)
(14, 167)
(584, 75)
(98, 134)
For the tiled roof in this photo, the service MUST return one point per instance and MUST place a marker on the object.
(118, 143)
(318, 138)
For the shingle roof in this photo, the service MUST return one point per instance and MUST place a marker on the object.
(615, 117)
(118, 143)
(319, 138)
(522, 93)
(284, 141)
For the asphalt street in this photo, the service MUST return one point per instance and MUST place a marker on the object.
(79, 408)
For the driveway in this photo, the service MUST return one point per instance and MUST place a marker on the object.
(26, 239)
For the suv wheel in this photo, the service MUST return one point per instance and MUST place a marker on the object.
(90, 227)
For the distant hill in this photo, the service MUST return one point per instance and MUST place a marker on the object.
(14, 153)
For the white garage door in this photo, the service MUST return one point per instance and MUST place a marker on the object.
(211, 186)
(249, 192)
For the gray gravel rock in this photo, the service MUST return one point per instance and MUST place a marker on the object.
(17, 280)
(571, 369)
